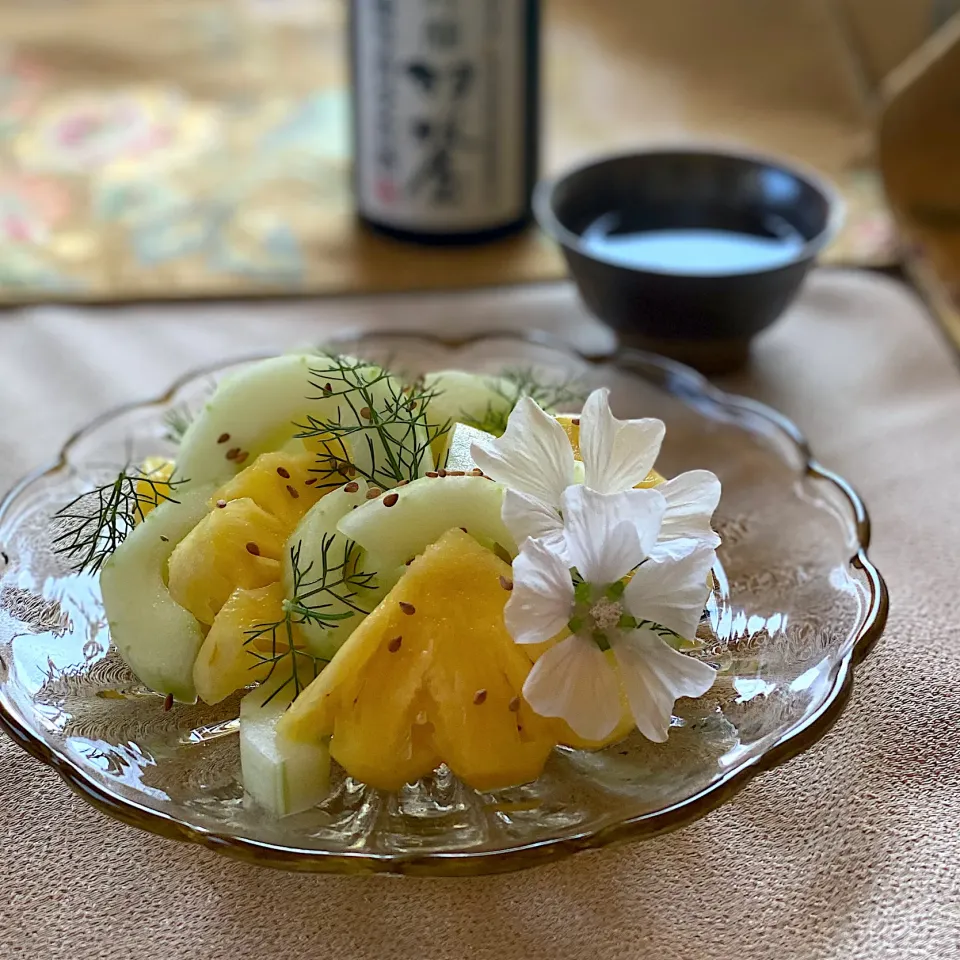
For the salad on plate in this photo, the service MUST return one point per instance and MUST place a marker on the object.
(399, 574)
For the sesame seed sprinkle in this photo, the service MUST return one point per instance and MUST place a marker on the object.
(408, 608)
(480, 697)
(352, 487)
(391, 500)
(394, 645)
(373, 493)
(506, 583)
(223, 438)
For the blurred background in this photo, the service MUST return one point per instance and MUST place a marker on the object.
(201, 148)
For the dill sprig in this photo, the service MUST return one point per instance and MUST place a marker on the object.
(177, 421)
(94, 524)
(378, 418)
(514, 383)
(324, 601)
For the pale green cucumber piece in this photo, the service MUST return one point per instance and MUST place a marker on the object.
(280, 775)
(317, 532)
(423, 512)
(154, 635)
(257, 409)
(471, 398)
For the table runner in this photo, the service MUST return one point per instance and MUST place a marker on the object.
(849, 851)
(198, 148)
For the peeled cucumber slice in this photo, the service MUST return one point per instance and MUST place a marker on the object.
(255, 410)
(280, 775)
(422, 513)
(318, 532)
(467, 397)
(156, 637)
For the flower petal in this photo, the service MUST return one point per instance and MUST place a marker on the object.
(607, 534)
(541, 603)
(617, 454)
(692, 499)
(672, 592)
(533, 456)
(528, 518)
(575, 681)
(655, 676)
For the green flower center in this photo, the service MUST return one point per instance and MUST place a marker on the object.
(598, 611)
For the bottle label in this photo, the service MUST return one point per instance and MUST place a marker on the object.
(441, 112)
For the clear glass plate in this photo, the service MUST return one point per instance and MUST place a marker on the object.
(799, 604)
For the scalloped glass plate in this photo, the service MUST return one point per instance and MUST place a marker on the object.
(798, 605)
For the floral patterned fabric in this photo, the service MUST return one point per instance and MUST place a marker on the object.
(194, 148)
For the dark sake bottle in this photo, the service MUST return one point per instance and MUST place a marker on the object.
(446, 116)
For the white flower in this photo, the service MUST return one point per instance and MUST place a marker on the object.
(607, 537)
(534, 461)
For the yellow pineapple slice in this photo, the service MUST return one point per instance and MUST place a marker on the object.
(431, 675)
(154, 486)
(281, 484)
(236, 545)
(225, 662)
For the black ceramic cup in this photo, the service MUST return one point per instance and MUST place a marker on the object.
(689, 252)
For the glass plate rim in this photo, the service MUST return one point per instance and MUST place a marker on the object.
(677, 378)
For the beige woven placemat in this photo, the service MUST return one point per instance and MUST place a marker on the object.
(850, 851)
(198, 148)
